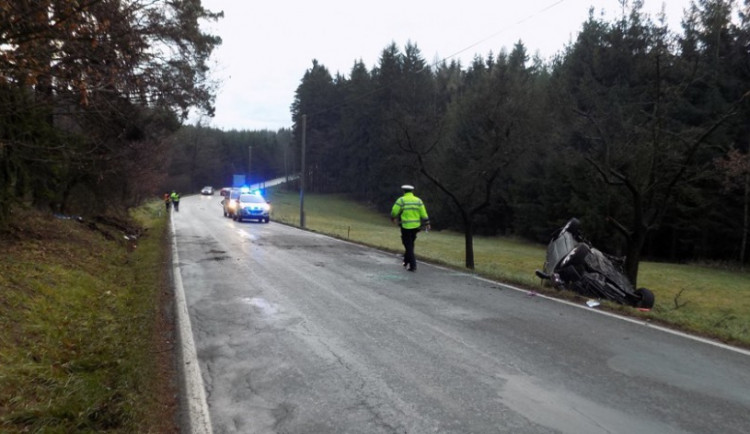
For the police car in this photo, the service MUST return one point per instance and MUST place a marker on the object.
(251, 205)
(245, 204)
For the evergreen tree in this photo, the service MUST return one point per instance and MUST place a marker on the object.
(317, 97)
(632, 99)
(358, 134)
(93, 84)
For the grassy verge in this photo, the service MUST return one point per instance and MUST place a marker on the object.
(697, 299)
(85, 342)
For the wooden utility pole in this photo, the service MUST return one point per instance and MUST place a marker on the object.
(249, 165)
(302, 175)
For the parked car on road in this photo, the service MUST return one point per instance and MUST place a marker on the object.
(229, 203)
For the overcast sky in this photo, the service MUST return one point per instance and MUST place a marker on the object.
(268, 45)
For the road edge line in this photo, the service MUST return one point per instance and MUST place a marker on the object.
(194, 396)
(644, 323)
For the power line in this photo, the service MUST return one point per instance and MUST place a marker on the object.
(436, 63)
(503, 30)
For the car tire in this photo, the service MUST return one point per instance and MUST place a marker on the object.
(267, 219)
(646, 297)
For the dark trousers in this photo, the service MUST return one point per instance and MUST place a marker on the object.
(176, 204)
(408, 236)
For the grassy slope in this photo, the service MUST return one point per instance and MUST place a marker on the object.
(698, 299)
(84, 339)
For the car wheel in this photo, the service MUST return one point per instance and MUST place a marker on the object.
(239, 217)
(267, 219)
(646, 298)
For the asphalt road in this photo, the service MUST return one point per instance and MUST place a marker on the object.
(300, 333)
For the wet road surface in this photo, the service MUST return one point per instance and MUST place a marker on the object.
(301, 333)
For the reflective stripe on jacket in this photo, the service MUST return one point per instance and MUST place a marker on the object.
(411, 211)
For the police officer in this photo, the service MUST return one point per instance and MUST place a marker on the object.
(409, 212)
(175, 200)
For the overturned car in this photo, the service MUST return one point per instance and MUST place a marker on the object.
(573, 263)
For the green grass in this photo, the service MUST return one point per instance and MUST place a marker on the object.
(78, 320)
(698, 299)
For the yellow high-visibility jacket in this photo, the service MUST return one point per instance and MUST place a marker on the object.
(411, 211)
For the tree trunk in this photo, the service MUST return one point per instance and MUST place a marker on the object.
(469, 242)
(745, 220)
(633, 258)
(6, 183)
